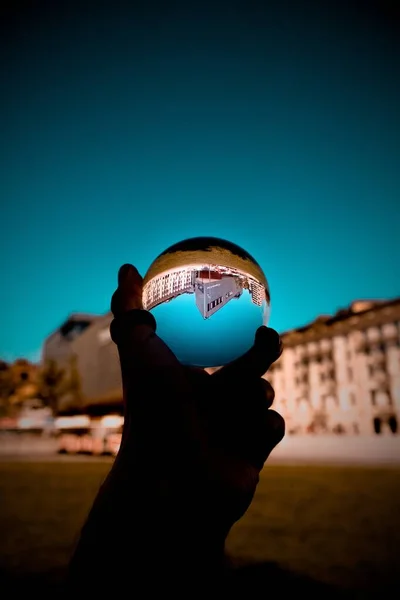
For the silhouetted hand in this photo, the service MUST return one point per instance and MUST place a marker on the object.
(192, 448)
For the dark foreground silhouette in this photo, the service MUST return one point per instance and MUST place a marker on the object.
(243, 580)
(246, 578)
(193, 446)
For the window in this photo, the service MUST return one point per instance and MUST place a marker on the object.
(72, 329)
(393, 425)
(377, 425)
(370, 370)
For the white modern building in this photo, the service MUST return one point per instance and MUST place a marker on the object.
(214, 294)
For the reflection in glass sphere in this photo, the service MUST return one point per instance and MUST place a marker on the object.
(208, 297)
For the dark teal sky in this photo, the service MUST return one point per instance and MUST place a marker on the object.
(124, 132)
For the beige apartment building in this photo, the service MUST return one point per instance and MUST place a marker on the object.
(339, 374)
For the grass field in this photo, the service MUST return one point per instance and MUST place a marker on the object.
(337, 525)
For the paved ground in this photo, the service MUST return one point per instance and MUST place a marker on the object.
(46, 457)
(373, 450)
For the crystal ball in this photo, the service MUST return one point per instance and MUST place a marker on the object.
(208, 296)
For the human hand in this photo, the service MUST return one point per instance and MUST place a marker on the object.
(226, 413)
(193, 445)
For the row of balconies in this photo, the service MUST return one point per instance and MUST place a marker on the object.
(377, 400)
(377, 373)
(376, 358)
(389, 332)
(166, 290)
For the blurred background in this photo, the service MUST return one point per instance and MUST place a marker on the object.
(275, 125)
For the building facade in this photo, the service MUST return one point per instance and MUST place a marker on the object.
(214, 294)
(191, 280)
(168, 286)
(97, 363)
(257, 292)
(57, 345)
(339, 374)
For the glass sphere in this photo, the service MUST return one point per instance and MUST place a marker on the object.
(209, 297)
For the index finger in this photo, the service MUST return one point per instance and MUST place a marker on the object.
(267, 348)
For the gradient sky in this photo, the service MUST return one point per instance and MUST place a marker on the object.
(124, 132)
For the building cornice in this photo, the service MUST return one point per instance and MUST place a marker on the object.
(345, 321)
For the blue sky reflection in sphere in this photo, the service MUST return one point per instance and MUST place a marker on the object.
(208, 296)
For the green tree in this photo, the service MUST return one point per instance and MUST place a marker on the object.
(7, 387)
(74, 382)
(52, 380)
(56, 382)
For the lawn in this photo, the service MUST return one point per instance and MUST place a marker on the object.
(336, 525)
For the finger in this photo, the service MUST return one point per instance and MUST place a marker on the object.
(123, 301)
(271, 433)
(266, 391)
(275, 432)
(116, 302)
(128, 274)
(128, 294)
(257, 391)
(266, 349)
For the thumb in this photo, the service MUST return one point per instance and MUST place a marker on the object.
(267, 348)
